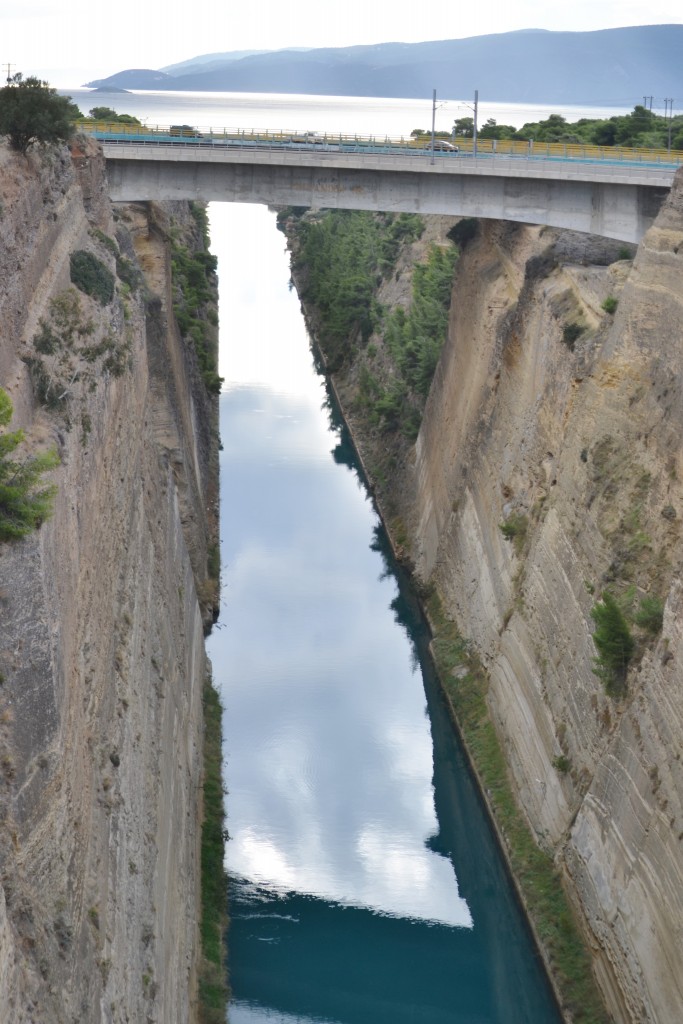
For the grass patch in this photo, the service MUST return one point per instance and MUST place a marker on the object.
(533, 869)
(213, 985)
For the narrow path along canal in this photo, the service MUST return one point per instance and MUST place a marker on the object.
(366, 886)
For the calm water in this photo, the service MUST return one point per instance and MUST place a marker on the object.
(366, 887)
(353, 115)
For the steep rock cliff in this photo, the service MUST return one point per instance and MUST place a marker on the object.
(579, 440)
(101, 632)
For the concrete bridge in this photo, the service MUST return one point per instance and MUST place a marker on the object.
(616, 199)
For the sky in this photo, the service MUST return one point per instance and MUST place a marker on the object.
(72, 41)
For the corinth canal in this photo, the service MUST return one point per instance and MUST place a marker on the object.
(366, 886)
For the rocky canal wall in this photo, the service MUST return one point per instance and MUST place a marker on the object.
(102, 611)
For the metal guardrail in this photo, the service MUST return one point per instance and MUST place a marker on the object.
(279, 139)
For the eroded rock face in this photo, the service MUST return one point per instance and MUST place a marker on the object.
(577, 437)
(101, 634)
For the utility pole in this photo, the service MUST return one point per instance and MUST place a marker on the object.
(645, 102)
(669, 108)
(8, 69)
(433, 120)
(474, 133)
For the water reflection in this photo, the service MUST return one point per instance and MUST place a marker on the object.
(330, 767)
(350, 808)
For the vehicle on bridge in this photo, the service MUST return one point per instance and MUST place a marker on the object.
(440, 146)
(185, 131)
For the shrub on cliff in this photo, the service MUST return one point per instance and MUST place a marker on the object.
(24, 501)
(32, 112)
(613, 641)
(91, 276)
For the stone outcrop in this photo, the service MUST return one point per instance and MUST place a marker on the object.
(101, 632)
(576, 437)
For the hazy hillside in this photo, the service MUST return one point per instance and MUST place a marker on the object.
(613, 66)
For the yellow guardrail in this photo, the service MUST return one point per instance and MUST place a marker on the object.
(484, 147)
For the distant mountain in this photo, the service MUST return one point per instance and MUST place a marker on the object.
(209, 60)
(615, 67)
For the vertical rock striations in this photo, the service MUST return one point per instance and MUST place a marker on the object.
(101, 631)
(562, 423)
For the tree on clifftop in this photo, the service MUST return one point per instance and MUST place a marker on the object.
(31, 111)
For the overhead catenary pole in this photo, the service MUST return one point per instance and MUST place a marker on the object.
(669, 114)
(474, 131)
(433, 120)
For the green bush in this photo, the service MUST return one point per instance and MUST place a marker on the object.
(650, 615)
(33, 113)
(92, 277)
(613, 641)
(128, 272)
(25, 502)
(515, 528)
(570, 333)
(610, 304)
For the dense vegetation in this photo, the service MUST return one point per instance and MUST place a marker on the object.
(413, 337)
(340, 258)
(25, 500)
(194, 300)
(213, 988)
(31, 113)
(91, 276)
(640, 128)
(109, 115)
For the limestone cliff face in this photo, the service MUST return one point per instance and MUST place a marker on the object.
(580, 439)
(101, 632)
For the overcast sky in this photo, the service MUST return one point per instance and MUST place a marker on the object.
(72, 41)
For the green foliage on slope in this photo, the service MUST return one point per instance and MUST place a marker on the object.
(415, 336)
(25, 500)
(341, 257)
(195, 299)
(213, 988)
(613, 641)
(340, 260)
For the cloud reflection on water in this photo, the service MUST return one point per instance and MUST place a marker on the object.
(320, 679)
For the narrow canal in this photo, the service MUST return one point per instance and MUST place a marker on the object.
(366, 887)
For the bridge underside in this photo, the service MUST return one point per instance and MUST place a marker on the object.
(613, 210)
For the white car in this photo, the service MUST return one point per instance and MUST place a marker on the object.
(442, 145)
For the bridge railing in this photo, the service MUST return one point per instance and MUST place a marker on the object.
(281, 138)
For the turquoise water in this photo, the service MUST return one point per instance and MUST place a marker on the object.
(366, 887)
